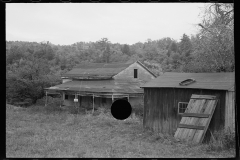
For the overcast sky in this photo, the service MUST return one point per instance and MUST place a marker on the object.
(124, 23)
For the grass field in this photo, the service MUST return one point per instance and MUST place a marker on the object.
(38, 132)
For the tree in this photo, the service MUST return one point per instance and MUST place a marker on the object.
(126, 50)
(216, 43)
(185, 46)
(105, 49)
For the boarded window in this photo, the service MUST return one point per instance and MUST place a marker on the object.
(66, 96)
(104, 100)
(135, 73)
(182, 107)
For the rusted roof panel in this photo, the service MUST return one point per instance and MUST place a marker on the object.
(218, 81)
(111, 86)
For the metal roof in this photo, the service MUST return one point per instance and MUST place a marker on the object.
(100, 70)
(216, 81)
(96, 69)
(110, 86)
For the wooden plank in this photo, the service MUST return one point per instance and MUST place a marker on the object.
(179, 130)
(208, 122)
(193, 110)
(198, 115)
(191, 126)
(189, 107)
(207, 110)
(193, 121)
(194, 96)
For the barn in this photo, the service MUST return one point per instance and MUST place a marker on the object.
(93, 85)
(165, 99)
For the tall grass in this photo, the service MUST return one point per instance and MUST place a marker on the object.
(223, 139)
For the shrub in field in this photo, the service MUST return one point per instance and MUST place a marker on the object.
(222, 140)
(53, 105)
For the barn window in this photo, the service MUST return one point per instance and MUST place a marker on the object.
(66, 96)
(104, 100)
(135, 73)
(182, 107)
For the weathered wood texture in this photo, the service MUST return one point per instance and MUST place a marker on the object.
(128, 73)
(160, 108)
(194, 128)
(230, 111)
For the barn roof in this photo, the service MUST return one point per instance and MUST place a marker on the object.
(100, 70)
(215, 81)
(110, 86)
(96, 69)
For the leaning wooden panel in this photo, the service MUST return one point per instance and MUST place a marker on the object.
(179, 131)
(198, 119)
(192, 109)
(192, 120)
(195, 127)
(208, 122)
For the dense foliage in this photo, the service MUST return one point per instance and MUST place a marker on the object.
(31, 66)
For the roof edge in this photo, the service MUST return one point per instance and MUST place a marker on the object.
(146, 68)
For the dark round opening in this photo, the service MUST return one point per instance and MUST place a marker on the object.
(121, 109)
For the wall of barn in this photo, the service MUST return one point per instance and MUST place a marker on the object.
(128, 73)
(161, 112)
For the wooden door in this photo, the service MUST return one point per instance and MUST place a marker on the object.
(196, 118)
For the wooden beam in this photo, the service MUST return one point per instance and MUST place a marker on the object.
(191, 126)
(208, 122)
(93, 104)
(197, 115)
(46, 99)
(194, 96)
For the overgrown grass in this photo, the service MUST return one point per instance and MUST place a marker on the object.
(222, 140)
(41, 131)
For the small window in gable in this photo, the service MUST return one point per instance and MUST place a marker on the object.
(66, 96)
(135, 73)
(182, 106)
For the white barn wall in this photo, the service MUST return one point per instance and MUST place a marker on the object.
(128, 73)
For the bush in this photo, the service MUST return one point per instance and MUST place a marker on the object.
(222, 140)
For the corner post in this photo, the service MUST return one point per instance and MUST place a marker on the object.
(93, 104)
(46, 99)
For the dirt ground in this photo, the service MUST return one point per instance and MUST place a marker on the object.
(37, 132)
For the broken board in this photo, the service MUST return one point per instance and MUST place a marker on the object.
(196, 118)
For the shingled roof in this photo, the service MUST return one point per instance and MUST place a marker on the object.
(100, 70)
(216, 81)
(96, 69)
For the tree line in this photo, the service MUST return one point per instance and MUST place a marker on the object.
(32, 66)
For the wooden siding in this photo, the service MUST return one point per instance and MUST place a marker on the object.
(128, 73)
(160, 108)
(230, 111)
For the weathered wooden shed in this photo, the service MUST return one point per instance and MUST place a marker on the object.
(165, 100)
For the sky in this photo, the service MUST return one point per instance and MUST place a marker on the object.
(124, 23)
